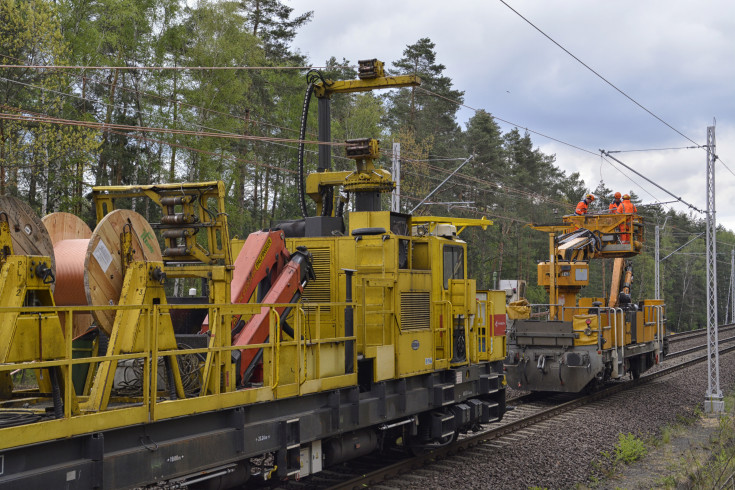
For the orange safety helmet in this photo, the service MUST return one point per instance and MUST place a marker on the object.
(590, 197)
(626, 196)
(617, 195)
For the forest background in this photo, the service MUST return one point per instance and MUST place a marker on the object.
(240, 126)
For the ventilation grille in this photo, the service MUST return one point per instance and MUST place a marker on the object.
(320, 290)
(415, 310)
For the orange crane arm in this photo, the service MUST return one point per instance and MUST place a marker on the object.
(261, 260)
(287, 289)
(617, 275)
(262, 257)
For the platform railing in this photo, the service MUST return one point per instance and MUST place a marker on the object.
(150, 403)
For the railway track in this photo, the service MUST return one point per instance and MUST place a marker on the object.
(529, 412)
(696, 348)
(700, 332)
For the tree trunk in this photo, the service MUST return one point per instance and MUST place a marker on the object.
(102, 170)
(266, 192)
(139, 119)
(172, 164)
(256, 17)
(2, 158)
(276, 178)
(32, 184)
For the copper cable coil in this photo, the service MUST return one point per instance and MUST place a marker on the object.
(70, 257)
(89, 266)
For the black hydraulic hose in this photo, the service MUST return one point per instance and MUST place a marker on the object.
(56, 393)
(253, 364)
(302, 136)
(171, 378)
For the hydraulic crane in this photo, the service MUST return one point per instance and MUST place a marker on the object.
(372, 76)
(573, 244)
(579, 342)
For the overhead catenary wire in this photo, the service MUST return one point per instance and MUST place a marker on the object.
(611, 84)
(184, 104)
(336, 144)
(427, 91)
(108, 126)
(114, 106)
(159, 68)
(442, 183)
(492, 186)
(627, 177)
(117, 106)
(204, 109)
(249, 161)
(652, 182)
(655, 149)
(598, 75)
(461, 104)
(540, 134)
(687, 243)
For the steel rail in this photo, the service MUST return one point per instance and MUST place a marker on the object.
(416, 462)
(684, 352)
(700, 332)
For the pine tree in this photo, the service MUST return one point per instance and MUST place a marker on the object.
(45, 162)
(428, 111)
(270, 20)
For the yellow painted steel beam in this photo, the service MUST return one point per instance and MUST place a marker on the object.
(194, 211)
(132, 333)
(322, 89)
(460, 223)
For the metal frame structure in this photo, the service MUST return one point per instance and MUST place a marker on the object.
(657, 273)
(395, 198)
(713, 401)
(731, 309)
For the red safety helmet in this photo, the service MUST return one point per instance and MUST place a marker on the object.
(617, 195)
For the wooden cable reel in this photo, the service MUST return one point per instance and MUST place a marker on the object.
(91, 268)
(70, 236)
(104, 268)
(27, 232)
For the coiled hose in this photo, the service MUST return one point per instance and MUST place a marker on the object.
(302, 135)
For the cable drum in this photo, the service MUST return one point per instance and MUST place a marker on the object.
(90, 268)
(27, 233)
(70, 237)
(104, 270)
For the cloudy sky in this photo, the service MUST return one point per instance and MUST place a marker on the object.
(675, 57)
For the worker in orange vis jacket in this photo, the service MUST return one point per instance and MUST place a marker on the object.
(583, 204)
(614, 205)
(626, 207)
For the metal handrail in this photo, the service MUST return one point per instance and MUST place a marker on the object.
(150, 315)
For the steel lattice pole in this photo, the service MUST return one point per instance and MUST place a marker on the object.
(732, 285)
(395, 199)
(713, 398)
(657, 284)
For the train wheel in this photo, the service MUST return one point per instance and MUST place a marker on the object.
(444, 441)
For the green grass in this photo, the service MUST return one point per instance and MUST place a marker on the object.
(629, 448)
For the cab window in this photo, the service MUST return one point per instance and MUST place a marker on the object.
(453, 263)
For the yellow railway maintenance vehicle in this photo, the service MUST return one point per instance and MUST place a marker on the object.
(378, 339)
(574, 344)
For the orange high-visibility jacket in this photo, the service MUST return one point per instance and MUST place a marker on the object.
(627, 207)
(581, 207)
(614, 207)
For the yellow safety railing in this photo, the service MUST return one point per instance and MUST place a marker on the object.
(149, 404)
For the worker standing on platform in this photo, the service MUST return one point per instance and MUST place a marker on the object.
(583, 204)
(626, 207)
(616, 202)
